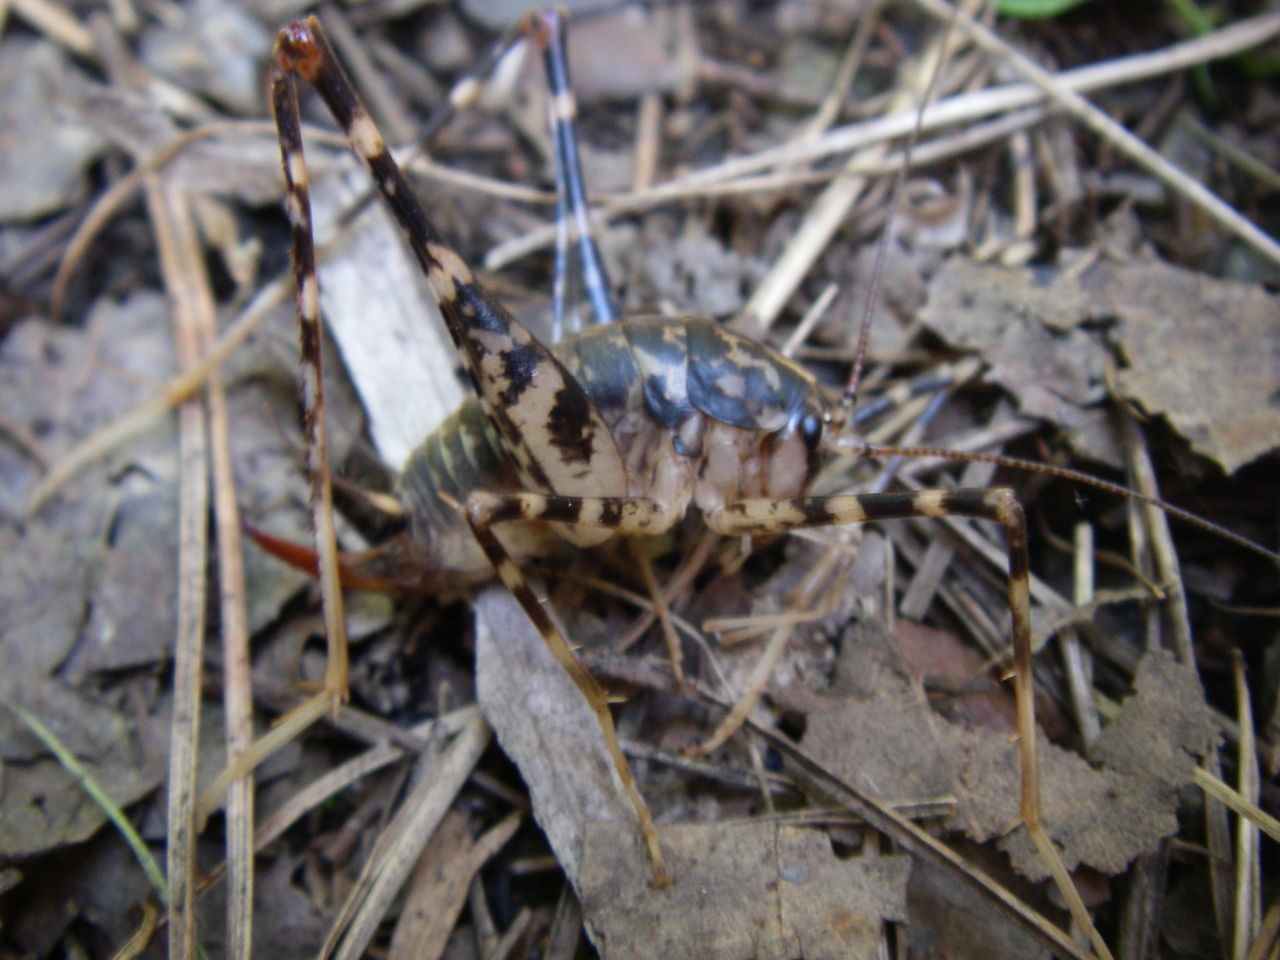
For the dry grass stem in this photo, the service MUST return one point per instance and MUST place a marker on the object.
(1248, 901)
(57, 24)
(399, 846)
(167, 212)
(1118, 136)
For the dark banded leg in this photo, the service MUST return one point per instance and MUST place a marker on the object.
(553, 433)
(546, 29)
(543, 415)
(617, 514)
(464, 93)
(763, 516)
(302, 50)
(284, 103)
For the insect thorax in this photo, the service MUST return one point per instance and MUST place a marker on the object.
(699, 415)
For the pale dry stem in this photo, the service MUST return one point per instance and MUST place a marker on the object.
(1248, 879)
(1259, 29)
(182, 825)
(400, 844)
(1012, 100)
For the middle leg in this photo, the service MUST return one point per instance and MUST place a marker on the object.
(619, 514)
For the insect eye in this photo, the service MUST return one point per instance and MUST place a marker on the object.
(811, 429)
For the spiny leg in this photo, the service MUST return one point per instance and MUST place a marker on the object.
(546, 29)
(764, 516)
(464, 93)
(618, 514)
(284, 102)
(555, 436)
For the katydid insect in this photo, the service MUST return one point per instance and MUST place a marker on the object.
(616, 430)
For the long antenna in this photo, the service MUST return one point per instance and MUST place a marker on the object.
(849, 398)
(854, 446)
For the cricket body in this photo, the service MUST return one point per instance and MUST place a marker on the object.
(691, 413)
(617, 430)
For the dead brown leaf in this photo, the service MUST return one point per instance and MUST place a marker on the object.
(1026, 327)
(744, 890)
(215, 50)
(877, 730)
(694, 271)
(67, 888)
(44, 155)
(741, 890)
(1202, 352)
(58, 385)
(948, 918)
(546, 727)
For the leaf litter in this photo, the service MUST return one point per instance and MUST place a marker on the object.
(876, 728)
(752, 889)
(59, 384)
(1047, 336)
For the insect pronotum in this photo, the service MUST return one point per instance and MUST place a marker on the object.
(618, 430)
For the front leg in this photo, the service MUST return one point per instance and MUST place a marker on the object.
(765, 516)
